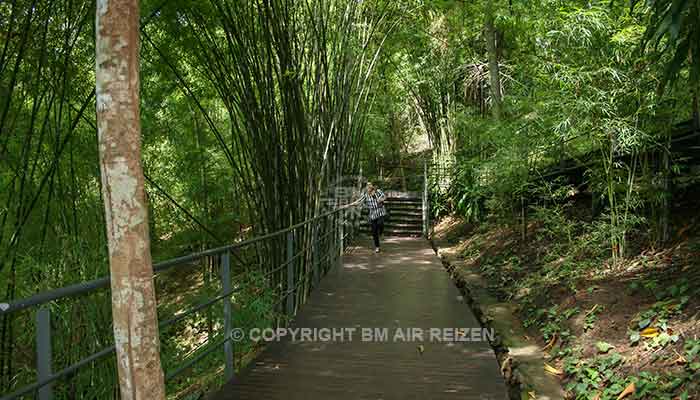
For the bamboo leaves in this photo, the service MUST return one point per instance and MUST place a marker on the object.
(673, 28)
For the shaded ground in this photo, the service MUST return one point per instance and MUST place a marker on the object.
(603, 326)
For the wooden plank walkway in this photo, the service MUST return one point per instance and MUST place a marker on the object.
(404, 286)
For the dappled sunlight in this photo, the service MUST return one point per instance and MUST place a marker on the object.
(531, 351)
(359, 266)
(173, 173)
(485, 354)
(405, 287)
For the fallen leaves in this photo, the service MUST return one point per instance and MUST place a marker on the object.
(630, 389)
(591, 311)
(650, 332)
(680, 360)
(507, 369)
(551, 370)
(551, 343)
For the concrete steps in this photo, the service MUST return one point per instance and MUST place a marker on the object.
(405, 216)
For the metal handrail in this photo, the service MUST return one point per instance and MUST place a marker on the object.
(46, 376)
(89, 286)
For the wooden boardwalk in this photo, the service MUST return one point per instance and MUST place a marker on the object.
(405, 286)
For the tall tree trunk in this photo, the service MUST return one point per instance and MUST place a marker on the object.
(523, 219)
(695, 85)
(133, 295)
(666, 198)
(494, 73)
(207, 262)
(696, 109)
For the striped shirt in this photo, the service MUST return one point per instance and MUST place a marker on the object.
(372, 202)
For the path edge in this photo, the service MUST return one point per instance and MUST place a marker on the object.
(521, 360)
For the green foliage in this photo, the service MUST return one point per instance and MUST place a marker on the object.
(674, 29)
(254, 307)
(551, 321)
(466, 193)
(589, 378)
(246, 119)
(604, 378)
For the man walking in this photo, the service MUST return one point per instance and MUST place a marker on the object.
(373, 199)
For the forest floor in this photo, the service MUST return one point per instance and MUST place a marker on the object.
(629, 329)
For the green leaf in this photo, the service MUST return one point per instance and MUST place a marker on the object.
(634, 337)
(644, 323)
(603, 347)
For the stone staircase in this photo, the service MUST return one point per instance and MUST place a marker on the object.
(405, 215)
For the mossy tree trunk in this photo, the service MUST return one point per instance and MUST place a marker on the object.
(134, 315)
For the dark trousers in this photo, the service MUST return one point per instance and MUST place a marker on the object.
(377, 229)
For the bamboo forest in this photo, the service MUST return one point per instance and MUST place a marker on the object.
(349, 199)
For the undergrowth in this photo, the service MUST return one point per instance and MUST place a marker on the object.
(609, 330)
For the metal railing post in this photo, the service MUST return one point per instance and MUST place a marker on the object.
(43, 351)
(338, 241)
(314, 254)
(427, 216)
(351, 226)
(341, 227)
(425, 199)
(226, 289)
(290, 273)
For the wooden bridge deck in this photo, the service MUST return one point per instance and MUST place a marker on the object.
(405, 286)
